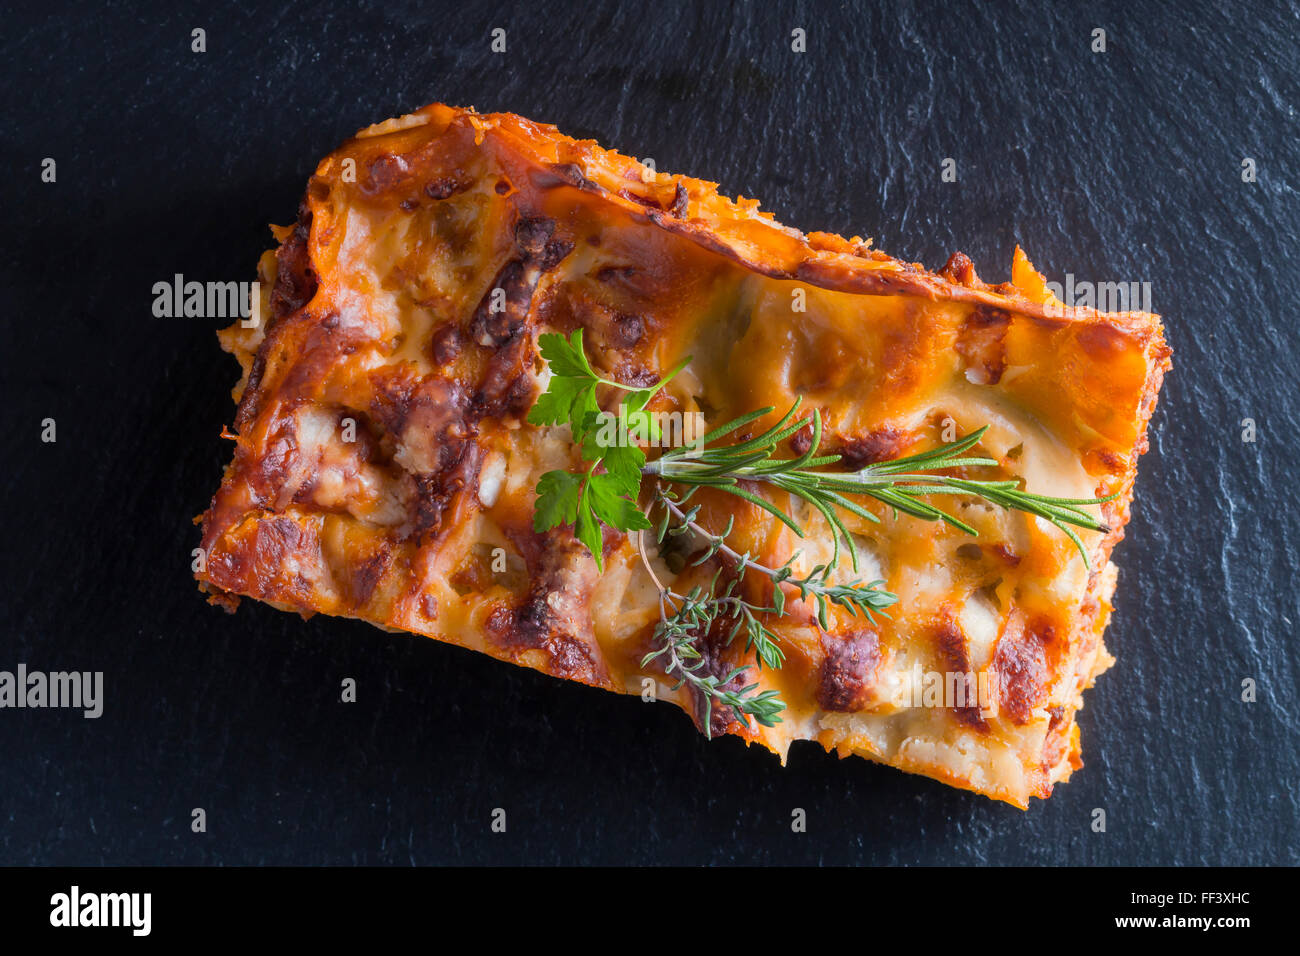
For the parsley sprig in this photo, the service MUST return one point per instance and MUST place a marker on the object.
(592, 498)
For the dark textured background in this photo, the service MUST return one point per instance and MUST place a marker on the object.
(1121, 166)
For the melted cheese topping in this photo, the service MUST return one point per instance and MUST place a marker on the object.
(383, 469)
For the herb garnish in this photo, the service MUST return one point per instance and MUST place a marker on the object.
(591, 498)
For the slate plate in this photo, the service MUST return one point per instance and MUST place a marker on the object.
(1125, 166)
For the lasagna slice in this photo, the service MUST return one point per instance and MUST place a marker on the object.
(383, 467)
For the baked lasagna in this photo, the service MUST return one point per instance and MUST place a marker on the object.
(384, 467)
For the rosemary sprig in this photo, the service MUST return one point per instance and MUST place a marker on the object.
(901, 483)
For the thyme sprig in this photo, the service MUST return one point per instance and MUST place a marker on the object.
(696, 612)
(677, 634)
(855, 596)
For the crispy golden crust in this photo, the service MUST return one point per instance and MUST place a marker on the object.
(383, 470)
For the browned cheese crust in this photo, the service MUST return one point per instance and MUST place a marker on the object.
(383, 469)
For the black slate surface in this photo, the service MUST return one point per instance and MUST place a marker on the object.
(1116, 166)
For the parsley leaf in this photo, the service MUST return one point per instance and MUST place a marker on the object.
(623, 464)
(565, 356)
(604, 494)
(558, 495)
(554, 406)
(587, 530)
(640, 423)
(585, 413)
(570, 395)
